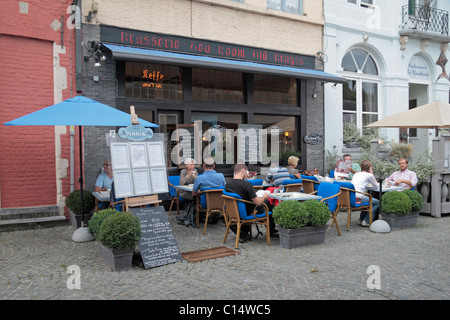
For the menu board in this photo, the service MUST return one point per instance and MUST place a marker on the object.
(138, 167)
(157, 244)
(249, 142)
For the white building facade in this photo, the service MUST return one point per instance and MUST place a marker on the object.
(389, 52)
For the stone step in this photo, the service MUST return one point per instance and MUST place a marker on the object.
(32, 223)
(12, 219)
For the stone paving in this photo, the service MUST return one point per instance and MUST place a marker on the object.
(413, 264)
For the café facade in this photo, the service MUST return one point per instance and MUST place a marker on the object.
(209, 79)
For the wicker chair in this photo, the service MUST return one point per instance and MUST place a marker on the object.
(237, 215)
(347, 201)
(209, 201)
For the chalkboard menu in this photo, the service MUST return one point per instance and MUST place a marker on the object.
(249, 142)
(157, 244)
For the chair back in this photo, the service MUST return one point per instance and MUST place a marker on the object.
(116, 203)
(257, 183)
(347, 198)
(310, 184)
(328, 190)
(235, 209)
(331, 174)
(173, 181)
(211, 198)
(292, 185)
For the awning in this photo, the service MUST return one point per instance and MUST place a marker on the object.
(139, 54)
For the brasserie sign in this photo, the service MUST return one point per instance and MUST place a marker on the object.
(150, 40)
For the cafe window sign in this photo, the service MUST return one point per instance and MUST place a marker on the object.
(152, 78)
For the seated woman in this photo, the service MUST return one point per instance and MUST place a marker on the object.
(188, 176)
(292, 167)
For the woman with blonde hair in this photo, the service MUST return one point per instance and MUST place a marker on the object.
(292, 167)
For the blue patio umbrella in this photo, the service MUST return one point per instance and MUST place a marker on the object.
(78, 111)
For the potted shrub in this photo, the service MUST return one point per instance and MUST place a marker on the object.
(397, 208)
(416, 200)
(73, 203)
(301, 223)
(118, 236)
(97, 220)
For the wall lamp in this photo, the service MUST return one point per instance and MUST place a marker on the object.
(94, 50)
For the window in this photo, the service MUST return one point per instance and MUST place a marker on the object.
(217, 85)
(275, 90)
(362, 3)
(288, 132)
(153, 81)
(292, 6)
(360, 93)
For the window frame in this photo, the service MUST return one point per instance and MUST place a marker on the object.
(282, 3)
(359, 77)
(362, 3)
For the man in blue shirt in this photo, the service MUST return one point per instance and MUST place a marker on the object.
(209, 179)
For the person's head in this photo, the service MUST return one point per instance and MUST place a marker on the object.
(366, 165)
(293, 161)
(347, 157)
(107, 165)
(403, 163)
(190, 163)
(208, 164)
(240, 170)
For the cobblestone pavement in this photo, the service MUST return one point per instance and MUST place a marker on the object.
(413, 264)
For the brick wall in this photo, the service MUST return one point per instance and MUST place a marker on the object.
(36, 71)
(27, 161)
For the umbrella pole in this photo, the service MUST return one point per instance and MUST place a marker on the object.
(82, 234)
(81, 177)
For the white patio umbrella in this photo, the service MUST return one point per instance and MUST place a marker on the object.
(432, 115)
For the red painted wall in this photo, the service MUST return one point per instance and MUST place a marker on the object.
(27, 153)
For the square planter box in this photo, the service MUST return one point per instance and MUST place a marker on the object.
(117, 259)
(75, 219)
(399, 221)
(293, 238)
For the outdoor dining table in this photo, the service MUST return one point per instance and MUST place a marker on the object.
(187, 187)
(387, 188)
(102, 196)
(298, 196)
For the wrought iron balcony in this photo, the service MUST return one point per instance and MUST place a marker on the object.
(424, 18)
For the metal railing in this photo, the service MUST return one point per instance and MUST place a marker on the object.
(424, 18)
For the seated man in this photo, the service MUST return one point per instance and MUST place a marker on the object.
(103, 182)
(209, 179)
(404, 177)
(245, 189)
(346, 168)
(360, 181)
(277, 175)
